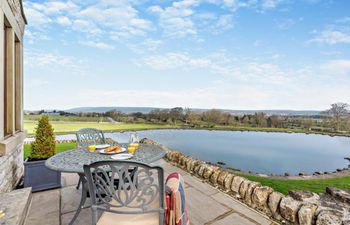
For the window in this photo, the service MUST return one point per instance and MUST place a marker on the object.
(6, 129)
(9, 86)
(18, 86)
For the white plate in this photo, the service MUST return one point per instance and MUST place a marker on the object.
(112, 153)
(122, 156)
(102, 146)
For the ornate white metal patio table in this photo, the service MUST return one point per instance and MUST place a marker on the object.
(72, 161)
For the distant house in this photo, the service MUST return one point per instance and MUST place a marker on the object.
(50, 113)
(12, 134)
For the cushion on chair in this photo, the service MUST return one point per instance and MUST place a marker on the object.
(175, 211)
(109, 218)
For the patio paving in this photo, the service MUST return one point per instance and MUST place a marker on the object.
(205, 204)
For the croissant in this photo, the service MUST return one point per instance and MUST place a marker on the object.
(113, 149)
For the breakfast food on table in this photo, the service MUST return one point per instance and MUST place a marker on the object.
(113, 149)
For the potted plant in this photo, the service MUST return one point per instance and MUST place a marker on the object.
(36, 175)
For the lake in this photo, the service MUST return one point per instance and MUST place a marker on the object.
(260, 152)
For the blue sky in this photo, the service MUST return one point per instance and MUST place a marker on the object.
(254, 54)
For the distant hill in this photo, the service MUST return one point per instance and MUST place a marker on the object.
(276, 112)
(106, 109)
(236, 112)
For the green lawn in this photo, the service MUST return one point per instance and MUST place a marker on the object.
(314, 185)
(72, 127)
(67, 118)
(59, 148)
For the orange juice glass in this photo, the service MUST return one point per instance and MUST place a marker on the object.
(131, 150)
(92, 148)
(136, 145)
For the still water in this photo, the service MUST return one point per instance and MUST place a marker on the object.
(254, 151)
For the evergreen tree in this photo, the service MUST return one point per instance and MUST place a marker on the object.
(44, 145)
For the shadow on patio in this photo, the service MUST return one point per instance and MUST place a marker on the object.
(205, 204)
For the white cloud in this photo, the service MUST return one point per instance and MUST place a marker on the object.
(225, 22)
(58, 7)
(270, 4)
(95, 44)
(235, 5)
(332, 37)
(337, 67)
(175, 61)
(118, 18)
(36, 18)
(220, 64)
(148, 45)
(33, 36)
(64, 21)
(335, 33)
(152, 45)
(122, 20)
(86, 27)
(176, 19)
(41, 59)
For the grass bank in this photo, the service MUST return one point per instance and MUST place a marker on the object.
(67, 118)
(314, 185)
(283, 186)
(59, 148)
(278, 130)
(72, 127)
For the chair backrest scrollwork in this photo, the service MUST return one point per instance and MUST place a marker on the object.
(126, 187)
(89, 136)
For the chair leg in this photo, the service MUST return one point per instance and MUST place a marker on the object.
(82, 201)
(161, 218)
(79, 182)
(94, 215)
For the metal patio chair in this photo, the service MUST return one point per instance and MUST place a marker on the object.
(90, 136)
(86, 137)
(137, 199)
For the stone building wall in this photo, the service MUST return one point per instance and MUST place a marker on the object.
(11, 169)
(13, 21)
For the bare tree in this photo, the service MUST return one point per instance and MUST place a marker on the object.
(337, 111)
(260, 119)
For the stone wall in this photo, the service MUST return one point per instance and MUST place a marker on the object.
(298, 207)
(11, 169)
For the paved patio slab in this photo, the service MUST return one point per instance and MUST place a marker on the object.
(44, 208)
(15, 205)
(234, 218)
(205, 204)
(201, 208)
(70, 198)
(84, 218)
(241, 209)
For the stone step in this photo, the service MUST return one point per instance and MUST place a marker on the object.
(15, 205)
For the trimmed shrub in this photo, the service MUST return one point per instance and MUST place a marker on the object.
(44, 145)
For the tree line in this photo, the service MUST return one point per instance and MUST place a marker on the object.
(334, 119)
